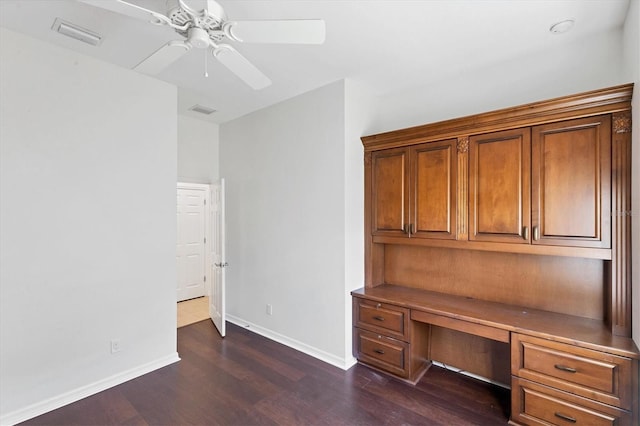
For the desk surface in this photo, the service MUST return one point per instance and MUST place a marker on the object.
(578, 331)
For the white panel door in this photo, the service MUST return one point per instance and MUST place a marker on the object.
(191, 241)
(216, 301)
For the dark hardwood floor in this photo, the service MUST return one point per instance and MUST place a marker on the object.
(246, 379)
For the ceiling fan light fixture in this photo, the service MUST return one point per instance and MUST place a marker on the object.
(562, 26)
(198, 38)
(74, 31)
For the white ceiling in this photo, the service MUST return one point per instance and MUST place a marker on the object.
(389, 46)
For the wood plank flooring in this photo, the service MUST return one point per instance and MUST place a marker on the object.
(192, 311)
(246, 379)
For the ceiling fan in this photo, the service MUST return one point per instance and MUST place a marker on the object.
(207, 28)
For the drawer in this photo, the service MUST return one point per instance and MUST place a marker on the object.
(382, 352)
(592, 374)
(381, 318)
(534, 404)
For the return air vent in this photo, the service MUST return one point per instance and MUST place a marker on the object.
(202, 109)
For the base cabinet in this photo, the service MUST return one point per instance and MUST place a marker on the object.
(560, 384)
(384, 338)
(560, 374)
(383, 352)
(535, 404)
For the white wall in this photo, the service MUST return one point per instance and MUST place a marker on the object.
(590, 64)
(358, 121)
(631, 46)
(284, 168)
(198, 146)
(87, 213)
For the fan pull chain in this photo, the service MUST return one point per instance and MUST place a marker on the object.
(206, 72)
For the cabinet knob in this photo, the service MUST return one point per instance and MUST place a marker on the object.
(525, 232)
(536, 233)
(379, 351)
(378, 318)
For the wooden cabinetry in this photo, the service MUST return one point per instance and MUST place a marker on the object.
(564, 369)
(571, 183)
(499, 186)
(433, 195)
(560, 384)
(546, 185)
(538, 405)
(507, 231)
(414, 191)
(385, 338)
(390, 201)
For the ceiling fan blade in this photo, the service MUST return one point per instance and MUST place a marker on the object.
(240, 66)
(214, 8)
(296, 31)
(129, 9)
(203, 8)
(163, 57)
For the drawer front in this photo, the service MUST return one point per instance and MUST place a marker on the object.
(534, 404)
(592, 374)
(382, 352)
(382, 318)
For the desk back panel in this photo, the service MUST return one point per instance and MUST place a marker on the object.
(568, 285)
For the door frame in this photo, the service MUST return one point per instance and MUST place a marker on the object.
(206, 188)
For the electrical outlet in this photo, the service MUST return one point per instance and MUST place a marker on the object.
(115, 346)
(269, 309)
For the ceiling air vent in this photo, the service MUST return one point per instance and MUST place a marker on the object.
(202, 109)
(74, 31)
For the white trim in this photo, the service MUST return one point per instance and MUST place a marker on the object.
(336, 361)
(77, 394)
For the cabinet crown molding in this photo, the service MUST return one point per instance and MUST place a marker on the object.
(603, 101)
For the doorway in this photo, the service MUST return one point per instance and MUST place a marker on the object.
(193, 231)
(200, 253)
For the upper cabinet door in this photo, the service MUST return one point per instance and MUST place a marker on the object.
(571, 183)
(390, 192)
(433, 190)
(499, 186)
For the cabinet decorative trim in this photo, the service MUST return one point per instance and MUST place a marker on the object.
(622, 122)
(620, 291)
(463, 144)
(463, 188)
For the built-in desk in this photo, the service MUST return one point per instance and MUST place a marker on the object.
(565, 369)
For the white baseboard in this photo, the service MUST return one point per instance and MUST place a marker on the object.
(66, 398)
(336, 361)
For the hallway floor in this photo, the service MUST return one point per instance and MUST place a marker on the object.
(193, 310)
